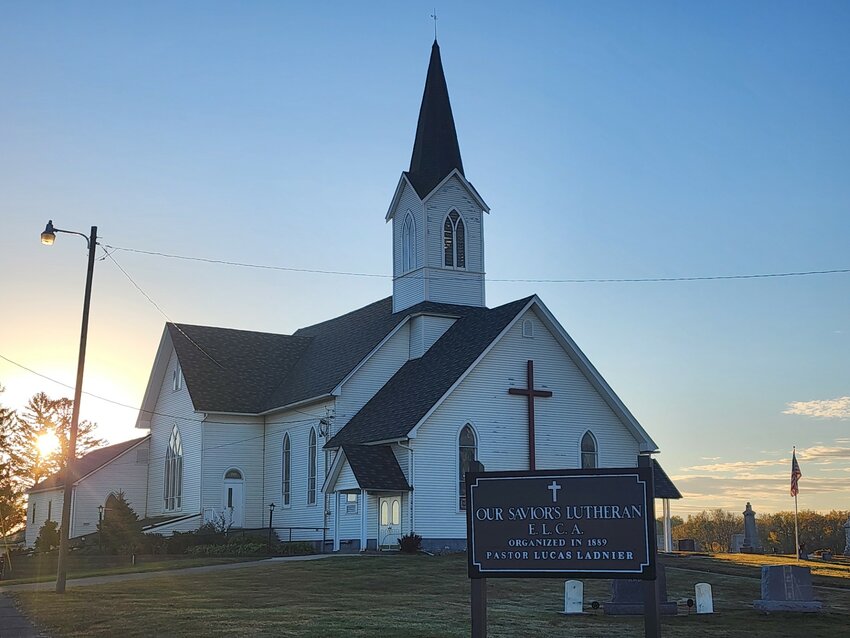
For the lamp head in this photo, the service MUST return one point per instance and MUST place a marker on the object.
(271, 507)
(49, 234)
(100, 509)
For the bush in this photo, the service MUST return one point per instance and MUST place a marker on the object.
(48, 537)
(120, 530)
(295, 548)
(231, 549)
(410, 543)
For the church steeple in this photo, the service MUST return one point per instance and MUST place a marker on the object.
(435, 151)
(437, 215)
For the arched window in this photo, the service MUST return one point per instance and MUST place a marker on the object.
(589, 451)
(173, 487)
(454, 241)
(408, 244)
(233, 474)
(286, 471)
(467, 453)
(311, 469)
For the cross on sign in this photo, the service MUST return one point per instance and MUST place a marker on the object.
(530, 392)
(554, 487)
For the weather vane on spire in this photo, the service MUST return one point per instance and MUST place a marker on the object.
(434, 16)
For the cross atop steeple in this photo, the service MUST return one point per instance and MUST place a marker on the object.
(435, 151)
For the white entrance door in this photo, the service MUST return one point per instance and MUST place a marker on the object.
(389, 521)
(234, 502)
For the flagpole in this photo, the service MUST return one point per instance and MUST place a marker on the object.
(796, 528)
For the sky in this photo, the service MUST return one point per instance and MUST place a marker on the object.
(612, 140)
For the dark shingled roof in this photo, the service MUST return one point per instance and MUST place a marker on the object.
(664, 487)
(233, 370)
(86, 464)
(376, 468)
(420, 383)
(247, 372)
(435, 151)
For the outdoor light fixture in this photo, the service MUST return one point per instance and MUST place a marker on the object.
(47, 238)
(49, 234)
(271, 514)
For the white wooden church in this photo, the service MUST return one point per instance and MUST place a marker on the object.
(359, 429)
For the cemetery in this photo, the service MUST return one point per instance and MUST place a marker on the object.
(428, 596)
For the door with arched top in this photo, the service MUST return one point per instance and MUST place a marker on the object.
(234, 498)
(389, 522)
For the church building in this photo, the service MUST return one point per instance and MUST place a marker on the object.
(359, 429)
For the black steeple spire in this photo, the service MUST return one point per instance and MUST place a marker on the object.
(435, 152)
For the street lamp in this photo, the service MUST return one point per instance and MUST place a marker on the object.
(47, 238)
(271, 514)
(100, 527)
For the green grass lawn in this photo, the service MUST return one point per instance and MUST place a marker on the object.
(411, 596)
(32, 569)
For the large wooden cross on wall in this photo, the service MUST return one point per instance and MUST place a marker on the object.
(530, 392)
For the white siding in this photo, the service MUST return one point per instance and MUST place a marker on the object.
(40, 501)
(234, 442)
(346, 480)
(299, 514)
(424, 332)
(372, 376)
(125, 473)
(500, 422)
(174, 408)
(432, 281)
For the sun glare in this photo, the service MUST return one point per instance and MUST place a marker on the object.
(47, 444)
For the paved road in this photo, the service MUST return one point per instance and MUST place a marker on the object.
(13, 624)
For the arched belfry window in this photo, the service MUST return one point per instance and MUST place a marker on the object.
(286, 471)
(589, 451)
(454, 241)
(408, 244)
(467, 453)
(311, 468)
(173, 479)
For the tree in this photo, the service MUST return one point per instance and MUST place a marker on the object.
(120, 530)
(41, 416)
(12, 512)
(48, 537)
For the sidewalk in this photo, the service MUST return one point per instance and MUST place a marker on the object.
(13, 624)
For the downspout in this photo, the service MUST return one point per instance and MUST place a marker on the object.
(262, 508)
(411, 471)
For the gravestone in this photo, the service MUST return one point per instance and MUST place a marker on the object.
(705, 602)
(786, 588)
(573, 597)
(847, 537)
(627, 597)
(751, 537)
(736, 543)
(687, 545)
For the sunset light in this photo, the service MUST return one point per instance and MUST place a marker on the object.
(47, 444)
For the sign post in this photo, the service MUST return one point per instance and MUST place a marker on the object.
(594, 523)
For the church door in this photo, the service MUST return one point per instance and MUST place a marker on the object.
(389, 521)
(234, 499)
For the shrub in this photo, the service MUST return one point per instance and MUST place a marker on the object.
(295, 548)
(410, 543)
(48, 537)
(234, 549)
(120, 530)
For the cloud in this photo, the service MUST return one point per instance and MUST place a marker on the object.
(822, 409)
(732, 466)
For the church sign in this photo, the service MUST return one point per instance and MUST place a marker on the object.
(577, 523)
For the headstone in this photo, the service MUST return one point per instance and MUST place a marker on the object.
(705, 603)
(786, 588)
(627, 597)
(573, 597)
(687, 545)
(736, 543)
(751, 537)
(847, 537)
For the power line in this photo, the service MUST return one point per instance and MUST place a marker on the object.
(151, 412)
(575, 280)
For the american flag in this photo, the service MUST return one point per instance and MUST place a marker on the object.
(795, 474)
